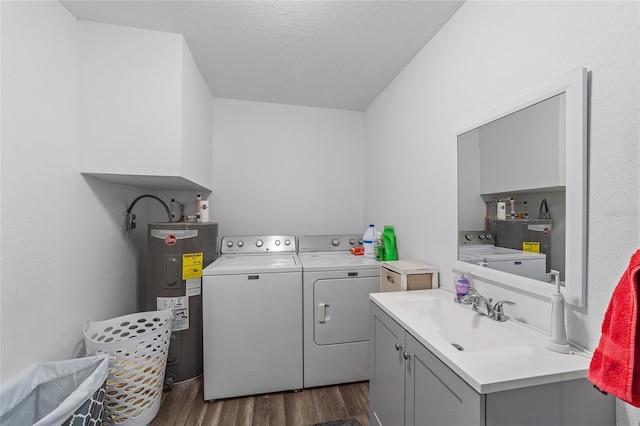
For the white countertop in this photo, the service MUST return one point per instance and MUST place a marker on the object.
(498, 356)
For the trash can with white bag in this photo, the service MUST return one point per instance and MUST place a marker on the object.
(137, 346)
(69, 393)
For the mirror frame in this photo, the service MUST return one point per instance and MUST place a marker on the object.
(574, 85)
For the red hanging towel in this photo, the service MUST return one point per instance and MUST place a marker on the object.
(615, 365)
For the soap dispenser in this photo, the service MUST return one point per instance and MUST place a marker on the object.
(558, 340)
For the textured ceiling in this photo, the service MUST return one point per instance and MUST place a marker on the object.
(334, 54)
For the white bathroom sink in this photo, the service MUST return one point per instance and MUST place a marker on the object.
(489, 355)
(458, 325)
(469, 331)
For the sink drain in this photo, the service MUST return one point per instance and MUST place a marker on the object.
(457, 346)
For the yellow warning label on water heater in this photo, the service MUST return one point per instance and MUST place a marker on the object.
(191, 266)
(531, 246)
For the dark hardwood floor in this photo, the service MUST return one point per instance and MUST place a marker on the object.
(184, 405)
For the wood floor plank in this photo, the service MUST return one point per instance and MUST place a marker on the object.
(269, 410)
(189, 403)
(236, 411)
(179, 403)
(185, 405)
(196, 412)
(212, 413)
(299, 407)
(329, 403)
(356, 397)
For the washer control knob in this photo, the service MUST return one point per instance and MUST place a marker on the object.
(352, 241)
(335, 242)
(359, 240)
(277, 242)
(287, 242)
(240, 243)
(469, 237)
(229, 243)
(481, 236)
(259, 243)
(488, 236)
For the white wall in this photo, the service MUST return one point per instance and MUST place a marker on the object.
(489, 54)
(282, 169)
(65, 260)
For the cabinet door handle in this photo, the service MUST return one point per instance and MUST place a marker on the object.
(390, 279)
(406, 355)
(399, 346)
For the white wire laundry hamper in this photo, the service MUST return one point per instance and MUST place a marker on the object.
(137, 346)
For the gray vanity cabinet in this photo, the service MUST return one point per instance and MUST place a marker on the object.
(410, 386)
(435, 395)
(386, 388)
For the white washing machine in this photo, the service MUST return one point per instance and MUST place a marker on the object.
(252, 330)
(336, 286)
(473, 249)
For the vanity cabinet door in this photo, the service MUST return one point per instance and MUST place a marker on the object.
(386, 397)
(434, 394)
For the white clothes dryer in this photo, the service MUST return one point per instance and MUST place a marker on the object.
(252, 331)
(336, 286)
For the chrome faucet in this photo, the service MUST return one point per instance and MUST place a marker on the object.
(495, 312)
(498, 312)
(476, 298)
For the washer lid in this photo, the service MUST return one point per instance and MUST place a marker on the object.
(492, 253)
(257, 264)
(470, 258)
(336, 262)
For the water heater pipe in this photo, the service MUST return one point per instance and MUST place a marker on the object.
(130, 219)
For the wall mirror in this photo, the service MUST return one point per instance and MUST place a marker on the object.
(522, 203)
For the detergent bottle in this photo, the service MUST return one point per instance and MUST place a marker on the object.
(389, 243)
(378, 248)
(368, 240)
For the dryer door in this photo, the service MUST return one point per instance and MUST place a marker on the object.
(342, 309)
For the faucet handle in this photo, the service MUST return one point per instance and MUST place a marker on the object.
(498, 312)
(468, 298)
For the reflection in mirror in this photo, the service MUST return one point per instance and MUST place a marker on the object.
(511, 187)
(521, 191)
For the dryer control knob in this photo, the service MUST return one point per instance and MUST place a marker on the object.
(287, 242)
(259, 243)
(469, 237)
(229, 243)
(352, 241)
(335, 242)
(240, 243)
(277, 242)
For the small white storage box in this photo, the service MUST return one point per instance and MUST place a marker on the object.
(405, 275)
(137, 346)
